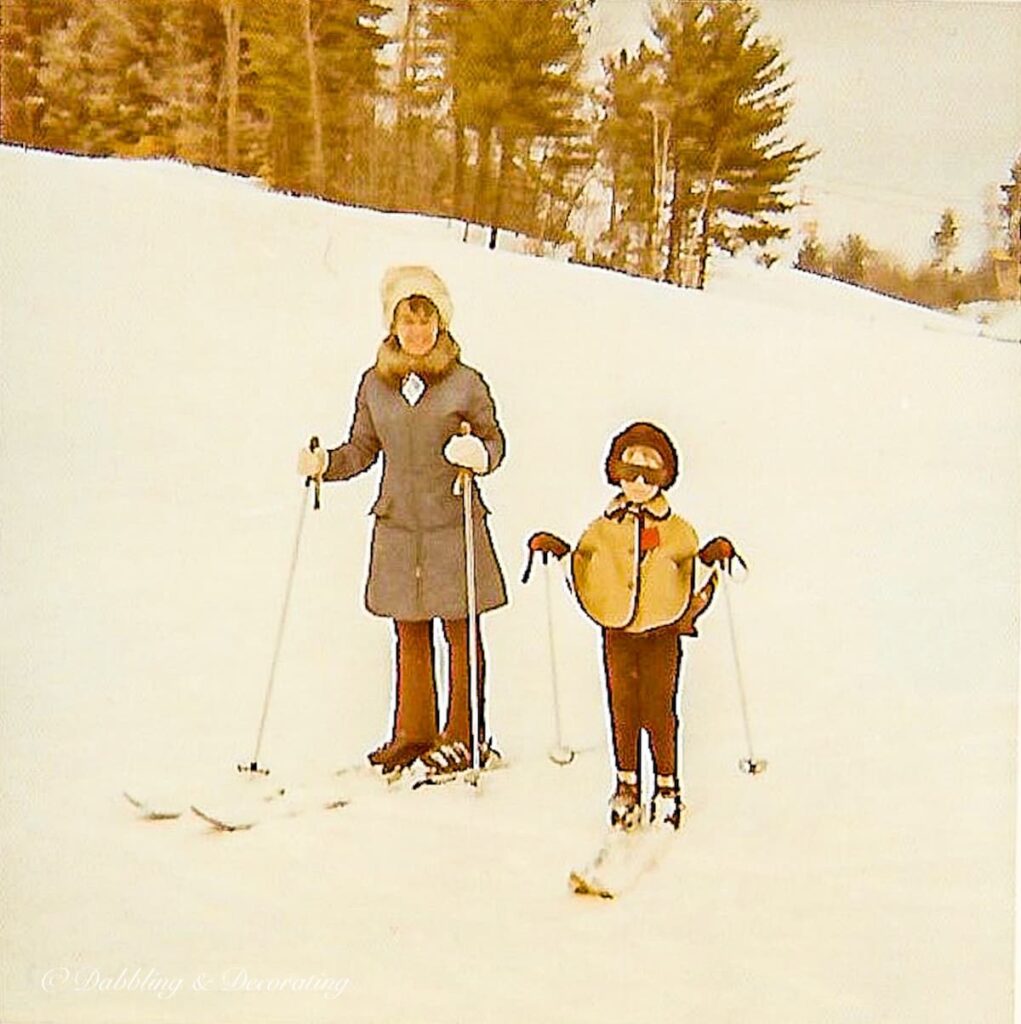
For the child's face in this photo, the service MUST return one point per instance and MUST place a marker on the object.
(636, 489)
(416, 332)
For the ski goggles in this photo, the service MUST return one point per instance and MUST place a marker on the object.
(629, 471)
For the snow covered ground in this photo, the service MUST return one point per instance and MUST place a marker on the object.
(171, 336)
(997, 319)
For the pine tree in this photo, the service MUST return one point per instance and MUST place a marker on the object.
(66, 101)
(812, 256)
(631, 137)
(129, 77)
(349, 39)
(852, 259)
(24, 26)
(727, 89)
(1010, 209)
(424, 141)
(945, 240)
(514, 76)
(310, 83)
(274, 92)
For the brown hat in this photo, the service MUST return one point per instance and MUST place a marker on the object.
(403, 282)
(647, 436)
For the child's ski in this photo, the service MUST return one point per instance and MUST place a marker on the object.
(622, 860)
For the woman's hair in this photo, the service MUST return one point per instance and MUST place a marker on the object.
(643, 435)
(422, 306)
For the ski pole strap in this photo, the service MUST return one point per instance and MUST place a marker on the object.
(528, 564)
(313, 444)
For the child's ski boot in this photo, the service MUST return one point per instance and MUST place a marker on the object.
(625, 804)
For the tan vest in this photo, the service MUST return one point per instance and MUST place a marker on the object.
(618, 589)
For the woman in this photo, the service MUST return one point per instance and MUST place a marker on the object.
(432, 418)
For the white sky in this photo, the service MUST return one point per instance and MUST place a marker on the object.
(915, 106)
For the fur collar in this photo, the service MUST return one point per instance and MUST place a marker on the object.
(658, 508)
(393, 364)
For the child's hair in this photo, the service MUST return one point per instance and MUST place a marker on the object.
(644, 435)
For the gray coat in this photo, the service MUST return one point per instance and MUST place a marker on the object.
(417, 568)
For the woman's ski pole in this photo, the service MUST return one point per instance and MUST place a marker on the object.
(253, 765)
(465, 483)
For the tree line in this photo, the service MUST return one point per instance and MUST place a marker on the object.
(484, 110)
(938, 281)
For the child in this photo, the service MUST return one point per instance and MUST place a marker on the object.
(634, 574)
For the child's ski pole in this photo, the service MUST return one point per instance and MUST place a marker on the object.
(750, 764)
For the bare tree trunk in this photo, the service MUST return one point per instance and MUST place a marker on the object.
(402, 142)
(482, 175)
(15, 124)
(315, 104)
(661, 150)
(703, 245)
(705, 220)
(231, 12)
(458, 206)
(503, 172)
(679, 215)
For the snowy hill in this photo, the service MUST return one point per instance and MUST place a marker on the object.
(169, 337)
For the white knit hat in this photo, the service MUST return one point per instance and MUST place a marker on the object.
(402, 282)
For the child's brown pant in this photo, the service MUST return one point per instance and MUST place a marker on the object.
(416, 714)
(641, 682)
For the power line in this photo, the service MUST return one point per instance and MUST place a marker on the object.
(921, 203)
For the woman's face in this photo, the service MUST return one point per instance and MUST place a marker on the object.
(416, 332)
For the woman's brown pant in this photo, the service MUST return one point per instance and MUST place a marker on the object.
(416, 714)
(641, 683)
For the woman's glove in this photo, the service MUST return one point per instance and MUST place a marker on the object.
(720, 551)
(312, 462)
(468, 452)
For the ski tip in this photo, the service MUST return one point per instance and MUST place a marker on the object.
(582, 886)
(469, 777)
(147, 813)
(218, 824)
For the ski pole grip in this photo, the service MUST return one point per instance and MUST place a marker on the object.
(464, 474)
(313, 445)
